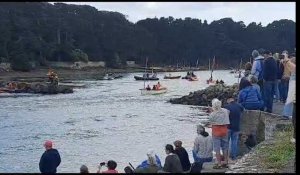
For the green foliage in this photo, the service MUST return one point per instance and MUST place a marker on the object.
(277, 155)
(21, 63)
(54, 33)
(79, 55)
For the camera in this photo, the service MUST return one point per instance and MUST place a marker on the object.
(102, 163)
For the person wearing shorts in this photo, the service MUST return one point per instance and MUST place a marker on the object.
(219, 120)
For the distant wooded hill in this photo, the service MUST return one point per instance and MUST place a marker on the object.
(41, 32)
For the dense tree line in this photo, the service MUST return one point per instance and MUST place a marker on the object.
(40, 32)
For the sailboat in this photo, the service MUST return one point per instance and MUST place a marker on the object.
(211, 68)
(147, 76)
(148, 90)
(239, 72)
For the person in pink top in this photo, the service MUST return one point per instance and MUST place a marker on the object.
(111, 166)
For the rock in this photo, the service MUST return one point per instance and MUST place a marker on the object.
(204, 97)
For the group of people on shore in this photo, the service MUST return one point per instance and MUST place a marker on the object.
(271, 76)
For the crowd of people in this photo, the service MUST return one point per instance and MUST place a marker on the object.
(272, 76)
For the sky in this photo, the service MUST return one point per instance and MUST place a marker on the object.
(264, 12)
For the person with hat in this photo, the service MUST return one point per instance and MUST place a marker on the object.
(50, 159)
(270, 77)
(183, 155)
(203, 146)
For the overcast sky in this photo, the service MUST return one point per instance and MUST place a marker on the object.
(264, 12)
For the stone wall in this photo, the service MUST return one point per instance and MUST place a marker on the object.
(264, 125)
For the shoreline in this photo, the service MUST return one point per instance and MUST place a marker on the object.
(39, 75)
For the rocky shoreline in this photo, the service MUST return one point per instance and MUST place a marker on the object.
(205, 96)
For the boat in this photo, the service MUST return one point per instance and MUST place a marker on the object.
(152, 78)
(172, 77)
(211, 68)
(154, 92)
(108, 77)
(193, 79)
(190, 75)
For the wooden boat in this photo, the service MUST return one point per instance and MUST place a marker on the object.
(193, 79)
(212, 82)
(145, 78)
(172, 77)
(153, 92)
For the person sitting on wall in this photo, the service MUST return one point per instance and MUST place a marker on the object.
(154, 87)
(148, 88)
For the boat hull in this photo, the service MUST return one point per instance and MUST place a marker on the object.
(175, 77)
(193, 79)
(153, 92)
(146, 78)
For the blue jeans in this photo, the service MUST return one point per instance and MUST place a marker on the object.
(269, 88)
(288, 110)
(201, 160)
(276, 92)
(233, 136)
(283, 88)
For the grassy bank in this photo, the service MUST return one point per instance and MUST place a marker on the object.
(275, 156)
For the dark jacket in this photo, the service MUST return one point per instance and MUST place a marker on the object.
(184, 158)
(280, 69)
(50, 160)
(270, 69)
(234, 115)
(172, 164)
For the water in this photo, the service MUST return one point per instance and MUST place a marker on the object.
(107, 120)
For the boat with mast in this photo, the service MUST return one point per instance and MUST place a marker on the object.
(211, 69)
(147, 76)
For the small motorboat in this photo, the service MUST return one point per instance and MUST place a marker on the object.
(193, 79)
(108, 77)
(154, 92)
(146, 76)
(172, 77)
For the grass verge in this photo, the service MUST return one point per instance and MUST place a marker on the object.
(276, 156)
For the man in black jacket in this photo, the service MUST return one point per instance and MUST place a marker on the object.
(50, 160)
(270, 77)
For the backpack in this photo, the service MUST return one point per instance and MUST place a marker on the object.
(196, 167)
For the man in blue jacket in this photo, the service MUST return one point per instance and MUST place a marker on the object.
(270, 77)
(50, 160)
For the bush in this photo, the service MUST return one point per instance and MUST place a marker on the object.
(20, 62)
(79, 55)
